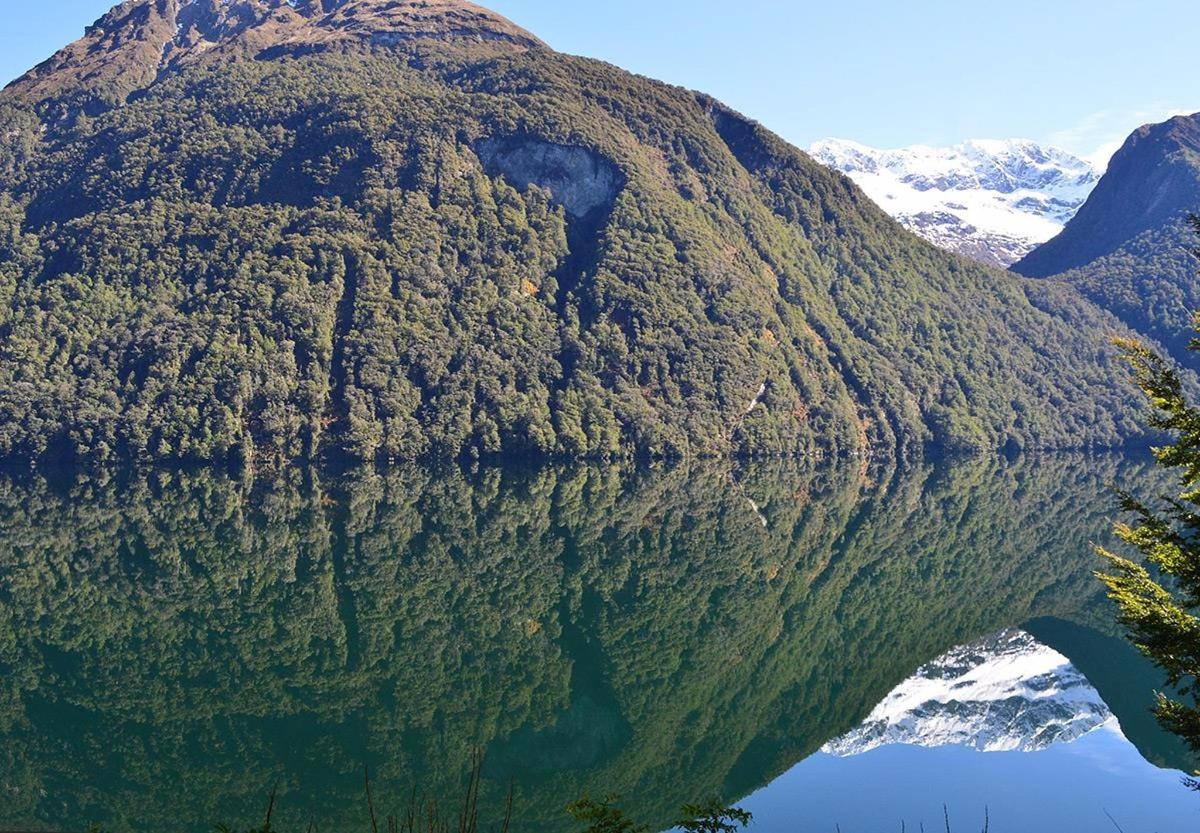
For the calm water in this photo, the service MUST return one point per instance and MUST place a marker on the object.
(171, 646)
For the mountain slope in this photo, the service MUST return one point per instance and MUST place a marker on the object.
(1128, 248)
(139, 41)
(1152, 179)
(355, 233)
(991, 201)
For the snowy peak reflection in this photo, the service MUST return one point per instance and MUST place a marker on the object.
(1007, 692)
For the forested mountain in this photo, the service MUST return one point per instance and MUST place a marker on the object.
(1150, 181)
(1128, 248)
(257, 230)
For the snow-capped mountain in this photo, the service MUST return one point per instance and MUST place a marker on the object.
(1004, 693)
(990, 200)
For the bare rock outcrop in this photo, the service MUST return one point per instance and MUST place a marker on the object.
(579, 179)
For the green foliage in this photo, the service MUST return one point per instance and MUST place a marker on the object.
(664, 633)
(257, 261)
(712, 816)
(1160, 609)
(603, 816)
(1151, 284)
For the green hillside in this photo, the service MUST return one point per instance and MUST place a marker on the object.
(369, 233)
(1129, 250)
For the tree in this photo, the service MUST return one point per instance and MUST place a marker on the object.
(711, 816)
(603, 816)
(1159, 600)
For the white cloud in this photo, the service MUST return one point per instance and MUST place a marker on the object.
(1100, 157)
(1099, 135)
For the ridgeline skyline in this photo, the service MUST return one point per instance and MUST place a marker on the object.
(884, 76)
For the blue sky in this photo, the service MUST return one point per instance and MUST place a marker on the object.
(1078, 73)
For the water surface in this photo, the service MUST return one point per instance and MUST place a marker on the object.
(172, 645)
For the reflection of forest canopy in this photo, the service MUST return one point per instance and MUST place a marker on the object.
(662, 634)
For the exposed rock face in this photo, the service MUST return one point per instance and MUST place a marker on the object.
(139, 40)
(118, 54)
(579, 179)
(1004, 693)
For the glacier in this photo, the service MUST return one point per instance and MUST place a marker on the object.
(990, 200)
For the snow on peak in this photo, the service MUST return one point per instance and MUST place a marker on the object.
(1004, 693)
(989, 199)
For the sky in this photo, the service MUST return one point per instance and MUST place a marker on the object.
(1079, 74)
(1097, 783)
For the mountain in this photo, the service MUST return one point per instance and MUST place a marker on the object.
(1128, 248)
(257, 231)
(1152, 179)
(1007, 692)
(991, 201)
(138, 42)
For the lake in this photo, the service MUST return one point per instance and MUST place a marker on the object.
(847, 646)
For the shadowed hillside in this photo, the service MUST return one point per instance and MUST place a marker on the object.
(1129, 250)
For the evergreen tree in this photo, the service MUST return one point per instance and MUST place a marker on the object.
(1159, 602)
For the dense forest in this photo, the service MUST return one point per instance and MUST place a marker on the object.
(1151, 283)
(1129, 249)
(407, 247)
(657, 633)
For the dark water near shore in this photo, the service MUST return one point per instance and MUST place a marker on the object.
(172, 645)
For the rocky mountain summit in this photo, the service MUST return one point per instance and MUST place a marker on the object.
(1007, 692)
(992, 201)
(1129, 248)
(139, 41)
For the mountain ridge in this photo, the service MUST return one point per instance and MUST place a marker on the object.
(1129, 249)
(1150, 180)
(991, 200)
(405, 248)
(138, 41)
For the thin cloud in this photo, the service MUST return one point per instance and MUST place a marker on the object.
(1097, 136)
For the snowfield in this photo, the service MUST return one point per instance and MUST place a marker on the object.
(993, 201)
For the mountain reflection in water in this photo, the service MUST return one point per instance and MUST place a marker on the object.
(175, 644)
(1055, 759)
(1007, 692)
